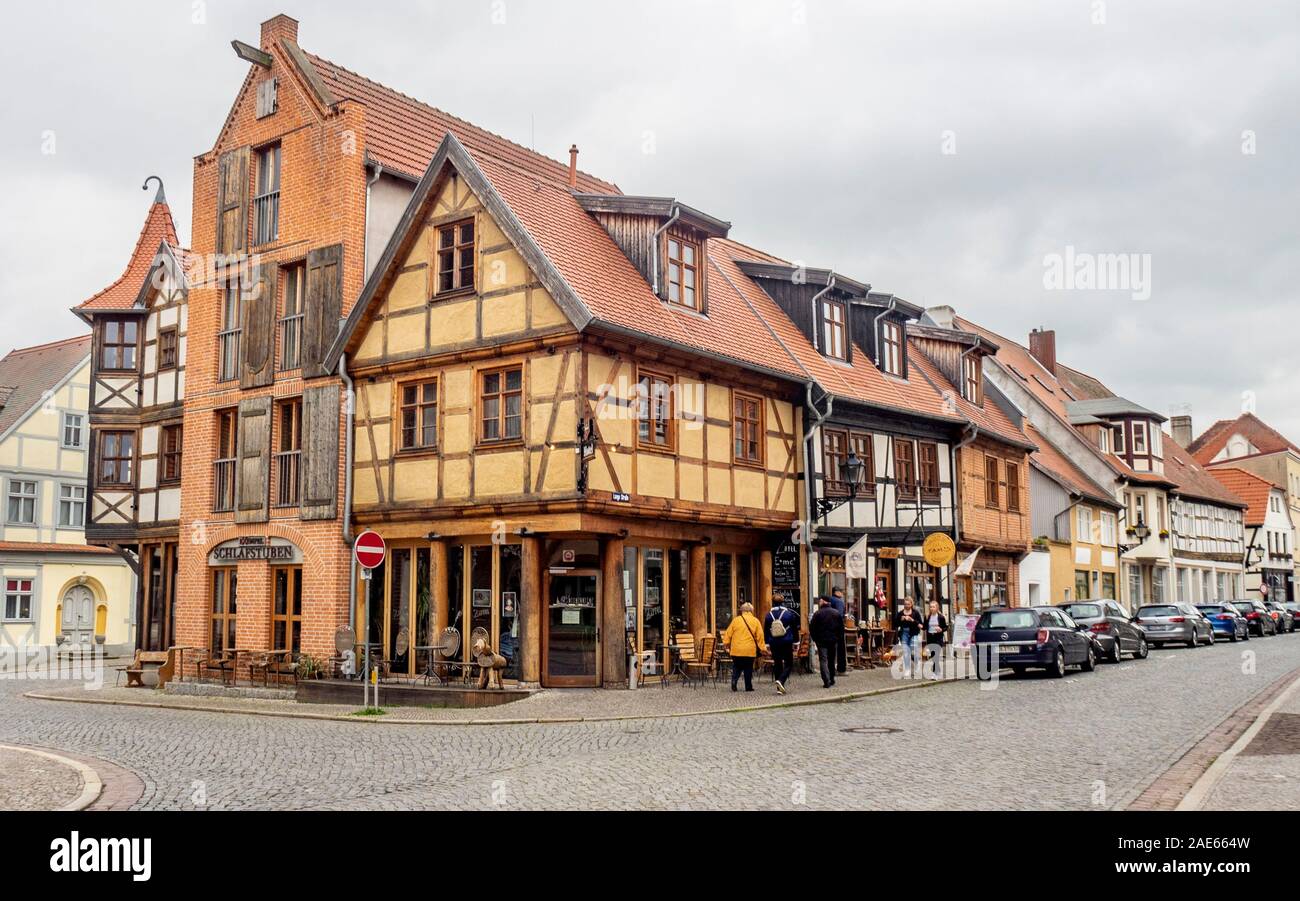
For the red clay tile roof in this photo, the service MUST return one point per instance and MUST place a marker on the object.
(743, 324)
(1249, 426)
(1192, 479)
(404, 134)
(31, 371)
(1249, 487)
(121, 295)
(34, 547)
(1063, 469)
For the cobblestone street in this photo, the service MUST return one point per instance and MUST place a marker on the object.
(1085, 742)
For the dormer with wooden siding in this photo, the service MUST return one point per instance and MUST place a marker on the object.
(818, 301)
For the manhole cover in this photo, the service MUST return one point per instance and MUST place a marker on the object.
(871, 730)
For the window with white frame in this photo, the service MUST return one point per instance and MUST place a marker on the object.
(74, 431)
(72, 506)
(1140, 509)
(21, 508)
(1139, 437)
(18, 600)
(1103, 440)
(1084, 524)
(1108, 528)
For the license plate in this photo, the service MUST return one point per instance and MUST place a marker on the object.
(1008, 649)
(1157, 627)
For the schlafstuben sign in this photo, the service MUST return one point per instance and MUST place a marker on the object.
(252, 548)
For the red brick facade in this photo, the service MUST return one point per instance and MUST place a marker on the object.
(322, 203)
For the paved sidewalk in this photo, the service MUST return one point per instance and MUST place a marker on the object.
(554, 705)
(32, 780)
(1265, 774)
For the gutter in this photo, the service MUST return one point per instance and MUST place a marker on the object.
(677, 214)
(956, 481)
(810, 483)
(365, 234)
(875, 327)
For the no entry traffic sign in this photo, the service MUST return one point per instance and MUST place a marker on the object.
(369, 549)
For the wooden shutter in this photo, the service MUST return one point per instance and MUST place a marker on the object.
(257, 346)
(254, 455)
(320, 452)
(324, 306)
(232, 201)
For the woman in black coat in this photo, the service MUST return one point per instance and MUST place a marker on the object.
(936, 636)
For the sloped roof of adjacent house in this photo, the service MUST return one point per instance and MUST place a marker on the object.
(403, 133)
(1253, 489)
(158, 229)
(45, 547)
(1041, 383)
(27, 373)
(989, 418)
(597, 285)
(1264, 437)
(1064, 471)
(1192, 479)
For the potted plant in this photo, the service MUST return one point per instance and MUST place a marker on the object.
(309, 667)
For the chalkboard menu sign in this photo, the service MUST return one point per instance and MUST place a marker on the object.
(785, 573)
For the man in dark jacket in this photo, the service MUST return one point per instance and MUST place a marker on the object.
(841, 650)
(827, 629)
(782, 645)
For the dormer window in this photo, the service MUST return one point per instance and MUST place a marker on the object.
(456, 257)
(891, 348)
(1103, 440)
(1139, 437)
(972, 385)
(1119, 439)
(833, 338)
(683, 272)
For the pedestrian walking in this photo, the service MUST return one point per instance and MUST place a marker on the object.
(781, 627)
(841, 649)
(827, 629)
(936, 637)
(744, 642)
(909, 633)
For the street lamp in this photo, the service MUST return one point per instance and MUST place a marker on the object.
(1142, 532)
(853, 467)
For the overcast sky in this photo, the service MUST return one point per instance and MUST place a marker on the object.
(938, 150)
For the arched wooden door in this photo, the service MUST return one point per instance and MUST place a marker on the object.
(79, 615)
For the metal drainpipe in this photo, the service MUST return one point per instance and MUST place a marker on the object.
(365, 235)
(875, 325)
(349, 414)
(956, 480)
(811, 487)
(830, 284)
(677, 214)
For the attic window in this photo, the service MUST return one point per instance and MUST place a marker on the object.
(683, 272)
(833, 338)
(891, 348)
(456, 257)
(118, 346)
(972, 386)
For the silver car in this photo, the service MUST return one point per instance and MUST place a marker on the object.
(1174, 624)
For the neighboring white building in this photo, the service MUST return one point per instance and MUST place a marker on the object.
(1270, 533)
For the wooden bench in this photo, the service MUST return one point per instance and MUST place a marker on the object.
(163, 661)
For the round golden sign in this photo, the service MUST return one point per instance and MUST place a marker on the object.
(939, 550)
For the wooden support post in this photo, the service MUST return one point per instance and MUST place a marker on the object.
(697, 592)
(612, 627)
(530, 613)
(438, 597)
(764, 601)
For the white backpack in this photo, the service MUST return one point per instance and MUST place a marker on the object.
(777, 628)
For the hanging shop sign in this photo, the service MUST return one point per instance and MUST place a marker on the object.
(251, 548)
(889, 553)
(939, 550)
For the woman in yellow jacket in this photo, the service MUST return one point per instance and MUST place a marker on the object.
(744, 642)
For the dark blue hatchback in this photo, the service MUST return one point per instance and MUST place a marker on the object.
(1025, 638)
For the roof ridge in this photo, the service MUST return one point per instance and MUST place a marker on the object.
(315, 57)
(20, 351)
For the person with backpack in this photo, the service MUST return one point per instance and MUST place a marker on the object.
(744, 642)
(827, 630)
(782, 629)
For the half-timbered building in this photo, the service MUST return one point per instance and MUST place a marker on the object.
(137, 391)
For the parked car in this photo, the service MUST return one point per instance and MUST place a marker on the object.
(1174, 623)
(1112, 627)
(1257, 617)
(1295, 612)
(1031, 638)
(1226, 620)
(1283, 617)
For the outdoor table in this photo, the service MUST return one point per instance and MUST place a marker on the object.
(676, 666)
(428, 673)
(180, 650)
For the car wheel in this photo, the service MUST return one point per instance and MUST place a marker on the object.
(1057, 668)
(1245, 635)
(1117, 655)
(1142, 650)
(1233, 638)
(1194, 641)
(1090, 661)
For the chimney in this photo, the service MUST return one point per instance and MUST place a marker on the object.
(573, 166)
(1180, 427)
(278, 28)
(1042, 344)
(942, 317)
